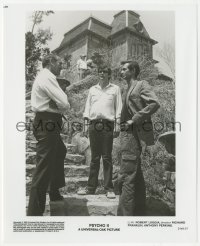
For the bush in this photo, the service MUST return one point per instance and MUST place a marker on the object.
(164, 118)
(153, 165)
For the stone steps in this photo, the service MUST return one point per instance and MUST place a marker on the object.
(29, 136)
(75, 159)
(100, 205)
(70, 170)
(31, 145)
(30, 116)
(30, 157)
(70, 159)
(71, 148)
(28, 106)
(72, 184)
(76, 172)
(90, 205)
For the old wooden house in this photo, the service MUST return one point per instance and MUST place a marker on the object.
(126, 36)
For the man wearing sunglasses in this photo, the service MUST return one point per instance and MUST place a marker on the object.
(136, 133)
(102, 113)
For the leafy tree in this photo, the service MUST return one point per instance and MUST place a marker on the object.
(148, 70)
(167, 54)
(102, 56)
(36, 44)
(37, 17)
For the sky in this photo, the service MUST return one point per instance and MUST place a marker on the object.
(159, 24)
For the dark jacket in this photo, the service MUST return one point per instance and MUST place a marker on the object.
(142, 102)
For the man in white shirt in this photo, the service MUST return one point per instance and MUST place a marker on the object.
(82, 66)
(49, 102)
(102, 110)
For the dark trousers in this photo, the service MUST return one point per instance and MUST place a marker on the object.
(101, 143)
(131, 181)
(50, 155)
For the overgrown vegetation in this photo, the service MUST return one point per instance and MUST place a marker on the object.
(156, 157)
(36, 44)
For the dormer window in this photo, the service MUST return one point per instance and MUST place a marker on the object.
(139, 26)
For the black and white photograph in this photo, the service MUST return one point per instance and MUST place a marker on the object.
(100, 102)
(100, 122)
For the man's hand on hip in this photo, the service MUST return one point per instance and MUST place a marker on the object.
(129, 122)
(125, 126)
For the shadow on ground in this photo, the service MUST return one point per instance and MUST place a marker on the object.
(76, 207)
(156, 207)
(102, 206)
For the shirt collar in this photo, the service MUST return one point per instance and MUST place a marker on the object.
(99, 87)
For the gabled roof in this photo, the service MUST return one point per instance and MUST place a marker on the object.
(75, 31)
(119, 22)
(90, 25)
(100, 27)
(129, 20)
(125, 20)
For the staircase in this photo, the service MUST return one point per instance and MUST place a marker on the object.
(76, 172)
(76, 177)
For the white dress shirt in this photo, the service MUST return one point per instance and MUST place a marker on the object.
(46, 95)
(103, 103)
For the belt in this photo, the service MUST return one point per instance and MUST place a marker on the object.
(101, 121)
(48, 115)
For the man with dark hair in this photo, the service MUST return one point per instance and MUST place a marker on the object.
(136, 133)
(102, 111)
(49, 102)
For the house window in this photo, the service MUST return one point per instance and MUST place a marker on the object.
(133, 50)
(145, 50)
(140, 50)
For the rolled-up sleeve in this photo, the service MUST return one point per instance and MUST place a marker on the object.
(54, 91)
(86, 113)
(118, 104)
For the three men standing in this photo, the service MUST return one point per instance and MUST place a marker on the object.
(104, 114)
(49, 102)
(102, 111)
